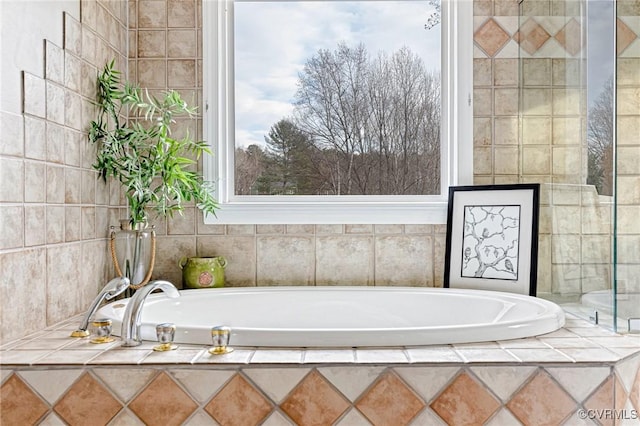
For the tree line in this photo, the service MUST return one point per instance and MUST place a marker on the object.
(360, 125)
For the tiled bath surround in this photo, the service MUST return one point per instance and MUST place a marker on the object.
(557, 379)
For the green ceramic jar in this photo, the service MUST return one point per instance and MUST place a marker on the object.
(203, 272)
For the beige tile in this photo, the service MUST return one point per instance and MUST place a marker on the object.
(34, 225)
(536, 72)
(35, 138)
(152, 72)
(55, 222)
(72, 72)
(482, 131)
(506, 131)
(11, 134)
(12, 177)
(72, 219)
(503, 380)
(506, 160)
(482, 102)
(567, 102)
(28, 306)
(182, 43)
(51, 384)
(240, 252)
(536, 102)
(506, 72)
(34, 95)
(277, 383)
(536, 130)
(72, 35)
(300, 229)
(358, 229)
(55, 102)
(482, 160)
(566, 161)
(285, 260)
(88, 223)
(125, 382)
(152, 44)
(536, 160)
(399, 260)
(182, 224)
(202, 384)
(152, 14)
(88, 187)
(565, 130)
(342, 260)
(181, 13)
(73, 143)
(270, 229)
(73, 183)
(566, 72)
(54, 63)
(88, 45)
(55, 143)
(73, 110)
(329, 229)
(181, 73)
(62, 267)
(482, 75)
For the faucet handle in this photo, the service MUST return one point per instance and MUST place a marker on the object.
(165, 332)
(220, 335)
(102, 331)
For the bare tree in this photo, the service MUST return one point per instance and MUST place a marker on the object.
(377, 120)
(249, 166)
(600, 141)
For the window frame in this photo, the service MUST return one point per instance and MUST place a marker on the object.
(218, 125)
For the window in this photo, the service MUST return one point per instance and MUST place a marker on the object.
(279, 159)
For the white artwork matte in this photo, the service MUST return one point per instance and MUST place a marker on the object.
(491, 240)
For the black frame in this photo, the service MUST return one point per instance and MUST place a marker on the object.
(494, 195)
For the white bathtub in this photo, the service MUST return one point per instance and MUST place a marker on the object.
(344, 316)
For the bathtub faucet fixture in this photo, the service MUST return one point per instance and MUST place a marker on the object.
(131, 320)
(114, 288)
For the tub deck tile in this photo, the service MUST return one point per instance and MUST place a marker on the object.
(486, 355)
(319, 356)
(433, 355)
(277, 356)
(539, 355)
(238, 356)
(370, 356)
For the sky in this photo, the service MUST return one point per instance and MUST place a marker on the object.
(600, 46)
(274, 39)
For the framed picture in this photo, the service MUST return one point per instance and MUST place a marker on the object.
(492, 238)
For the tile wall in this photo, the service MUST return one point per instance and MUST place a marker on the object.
(54, 212)
(628, 134)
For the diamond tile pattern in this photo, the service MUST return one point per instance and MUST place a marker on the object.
(570, 37)
(465, 401)
(314, 402)
(532, 36)
(602, 399)
(624, 36)
(239, 404)
(541, 401)
(87, 399)
(163, 402)
(491, 37)
(18, 404)
(635, 392)
(390, 401)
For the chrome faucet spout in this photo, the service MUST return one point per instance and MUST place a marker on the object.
(131, 320)
(114, 288)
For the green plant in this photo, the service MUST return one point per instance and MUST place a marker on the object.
(135, 146)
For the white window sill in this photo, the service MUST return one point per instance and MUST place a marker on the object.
(256, 212)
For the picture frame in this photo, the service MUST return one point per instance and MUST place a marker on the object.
(492, 238)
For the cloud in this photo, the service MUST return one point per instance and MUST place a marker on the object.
(274, 39)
